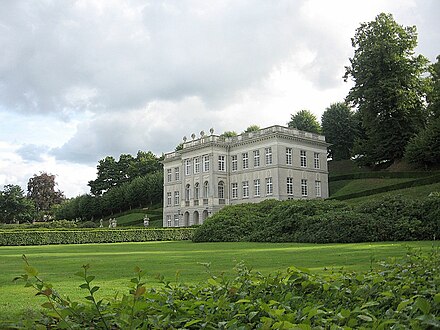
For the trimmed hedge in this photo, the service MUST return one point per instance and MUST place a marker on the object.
(403, 185)
(78, 236)
(382, 175)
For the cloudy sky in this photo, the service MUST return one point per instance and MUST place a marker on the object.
(80, 80)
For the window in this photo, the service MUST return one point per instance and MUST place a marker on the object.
(257, 187)
(176, 220)
(221, 190)
(304, 192)
(289, 186)
(206, 163)
(234, 163)
(169, 199)
(169, 176)
(187, 192)
(316, 162)
(303, 158)
(256, 158)
(169, 220)
(268, 156)
(187, 166)
(234, 190)
(177, 173)
(245, 189)
(318, 188)
(205, 189)
(245, 158)
(176, 198)
(221, 163)
(269, 186)
(289, 156)
(196, 191)
(196, 165)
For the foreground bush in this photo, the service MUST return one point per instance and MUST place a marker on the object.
(329, 221)
(395, 295)
(83, 236)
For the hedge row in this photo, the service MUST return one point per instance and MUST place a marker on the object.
(381, 175)
(44, 237)
(403, 185)
(314, 221)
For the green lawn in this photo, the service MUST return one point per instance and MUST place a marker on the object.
(113, 263)
(345, 187)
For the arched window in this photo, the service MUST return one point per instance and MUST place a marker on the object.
(221, 190)
(187, 192)
(205, 189)
(196, 191)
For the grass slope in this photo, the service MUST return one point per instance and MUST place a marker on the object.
(113, 264)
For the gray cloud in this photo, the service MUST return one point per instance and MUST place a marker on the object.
(32, 152)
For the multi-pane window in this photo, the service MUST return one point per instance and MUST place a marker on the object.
(221, 163)
(196, 190)
(318, 188)
(268, 152)
(176, 198)
(245, 160)
(303, 158)
(257, 187)
(269, 186)
(289, 156)
(245, 189)
(177, 173)
(187, 166)
(169, 220)
(206, 163)
(289, 186)
(234, 163)
(256, 158)
(196, 165)
(316, 162)
(234, 189)
(176, 220)
(169, 199)
(304, 191)
(169, 175)
(221, 190)
(205, 189)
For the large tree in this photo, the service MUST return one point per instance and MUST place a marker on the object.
(339, 126)
(42, 190)
(14, 206)
(388, 87)
(304, 120)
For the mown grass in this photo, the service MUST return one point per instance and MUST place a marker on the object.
(346, 187)
(113, 264)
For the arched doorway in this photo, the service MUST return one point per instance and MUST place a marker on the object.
(204, 215)
(186, 219)
(196, 218)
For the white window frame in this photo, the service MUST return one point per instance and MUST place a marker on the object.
(169, 220)
(269, 186)
(256, 158)
(245, 185)
(234, 163)
(188, 166)
(169, 198)
(304, 188)
(245, 160)
(289, 186)
(206, 189)
(268, 155)
(221, 163)
(257, 187)
(169, 175)
(234, 190)
(176, 220)
(316, 161)
(221, 190)
(303, 158)
(196, 165)
(288, 156)
(318, 191)
(177, 173)
(176, 198)
(196, 190)
(206, 163)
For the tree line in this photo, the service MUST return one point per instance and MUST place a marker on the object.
(392, 112)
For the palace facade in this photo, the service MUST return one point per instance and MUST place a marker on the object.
(212, 171)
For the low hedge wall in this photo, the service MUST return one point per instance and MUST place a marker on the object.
(78, 236)
(382, 175)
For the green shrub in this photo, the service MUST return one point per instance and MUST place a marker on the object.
(83, 236)
(399, 294)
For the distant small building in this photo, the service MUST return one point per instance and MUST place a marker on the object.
(213, 171)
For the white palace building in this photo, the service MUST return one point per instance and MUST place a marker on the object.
(212, 171)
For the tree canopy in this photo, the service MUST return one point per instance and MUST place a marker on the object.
(304, 120)
(41, 190)
(14, 206)
(252, 128)
(388, 87)
(339, 125)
